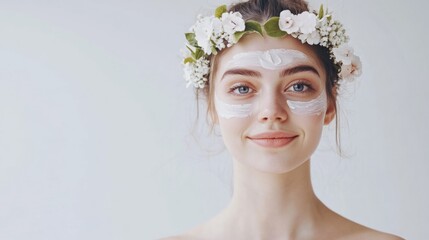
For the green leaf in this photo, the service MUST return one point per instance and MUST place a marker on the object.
(198, 53)
(321, 12)
(190, 50)
(191, 39)
(220, 10)
(253, 26)
(272, 28)
(213, 47)
(214, 50)
(189, 60)
(239, 35)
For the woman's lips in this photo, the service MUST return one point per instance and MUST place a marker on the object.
(273, 139)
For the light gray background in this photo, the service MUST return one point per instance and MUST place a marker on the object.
(95, 122)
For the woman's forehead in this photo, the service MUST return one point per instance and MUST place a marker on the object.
(269, 52)
(272, 59)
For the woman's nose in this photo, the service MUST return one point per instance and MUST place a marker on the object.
(272, 108)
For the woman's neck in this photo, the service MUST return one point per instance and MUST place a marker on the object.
(266, 205)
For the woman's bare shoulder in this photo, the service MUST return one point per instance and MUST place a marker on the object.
(178, 237)
(181, 237)
(364, 235)
(358, 231)
(376, 235)
(347, 229)
(341, 228)
(368, 234)
(171, 238)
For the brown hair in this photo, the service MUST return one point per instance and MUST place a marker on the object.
(261, 11)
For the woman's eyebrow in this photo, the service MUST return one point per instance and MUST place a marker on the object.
(242, 71)
(285, 72)
(298, 69)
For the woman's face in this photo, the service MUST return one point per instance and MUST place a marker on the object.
(271, 102)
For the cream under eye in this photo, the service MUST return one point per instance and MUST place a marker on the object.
(313, 107)
(228, 111)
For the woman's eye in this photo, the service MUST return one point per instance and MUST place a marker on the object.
(299, 87)
(241, 90)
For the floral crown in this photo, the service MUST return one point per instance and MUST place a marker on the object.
(211, 34)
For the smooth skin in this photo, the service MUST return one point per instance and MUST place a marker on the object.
(273, 197)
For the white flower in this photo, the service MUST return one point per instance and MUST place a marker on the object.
(349, 72)
(217, 27)
(219, 43)
(307, 22)
(288, 22)
(218, 34)
(313, 38)
(203, 30)
(202, 84)
(323, 26)
(337, 34)
(195, 73)
(356, 66)
(345, 72)
(188, 69)
(303, 37)
(233, 22)
(231, 40)
(344, 54)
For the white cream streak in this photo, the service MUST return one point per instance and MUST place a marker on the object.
(271, 59)
(228, 111)
(312, 107)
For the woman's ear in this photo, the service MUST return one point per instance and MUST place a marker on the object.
(330, 113)
(332, 109)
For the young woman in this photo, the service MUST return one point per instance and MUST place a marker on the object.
(270, 71)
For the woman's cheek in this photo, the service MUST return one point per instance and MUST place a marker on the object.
(233, 131)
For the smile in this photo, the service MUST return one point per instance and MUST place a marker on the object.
(273, 139)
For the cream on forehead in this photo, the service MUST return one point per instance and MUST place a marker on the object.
(271, 59)
(312, 107)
